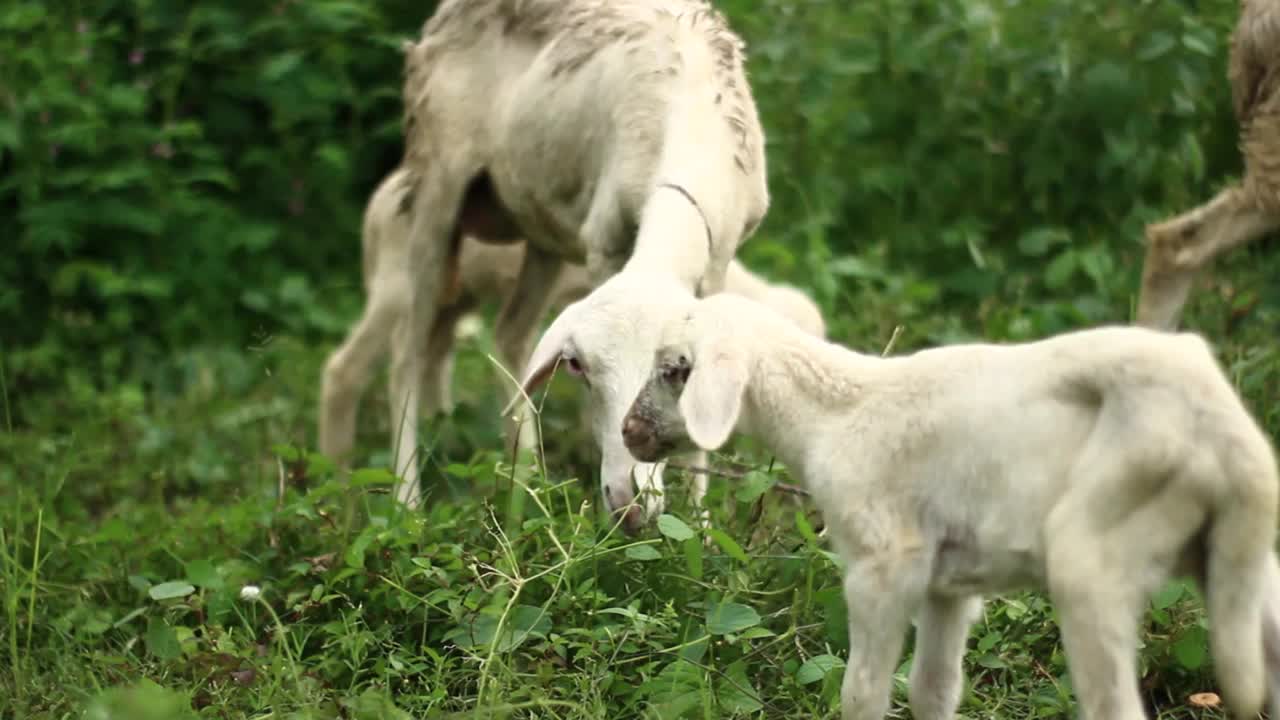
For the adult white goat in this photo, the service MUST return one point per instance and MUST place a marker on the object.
(619, 133)
(483, 272)
(1179, 247)
(1096, 463)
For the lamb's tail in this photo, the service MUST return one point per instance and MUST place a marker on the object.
(1238, 557)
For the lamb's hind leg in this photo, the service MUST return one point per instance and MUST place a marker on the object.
(1111, 541)
(1178, 248)
(1271, 636)
(436, 203)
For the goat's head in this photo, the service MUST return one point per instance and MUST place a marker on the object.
(607, 340)
(693, 396)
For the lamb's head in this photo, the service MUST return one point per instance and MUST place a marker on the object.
(693, 396)
(607, 340)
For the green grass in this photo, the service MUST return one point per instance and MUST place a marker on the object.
(135, 513)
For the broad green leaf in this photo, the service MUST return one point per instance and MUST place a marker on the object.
(1192, 648)
(728, 545)
(735, 692)
(675, 690)
(372, 476)
(523, 622)
(374, 705)
(170, 590)
(693, 557)
(355, 553)
(816, 668)
(673, 527)
(806, 530)
(730, 617)
(992, 662)
(202, 573)
(757, 632)
(642, 553)
(161, 640)
(754, 485)
(1168, 595)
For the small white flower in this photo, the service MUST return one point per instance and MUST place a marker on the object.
(250, 593)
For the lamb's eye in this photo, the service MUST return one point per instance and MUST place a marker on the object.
(575, 366)
(675, 373)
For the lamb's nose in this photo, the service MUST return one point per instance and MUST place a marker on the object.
(633, 431)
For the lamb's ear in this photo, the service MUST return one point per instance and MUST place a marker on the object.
(544, 358)
(712, 396)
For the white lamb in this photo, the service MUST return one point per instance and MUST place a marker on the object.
(483, 271)
(1094, 464)
(618, 133)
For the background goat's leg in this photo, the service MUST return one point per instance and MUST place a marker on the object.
(437, 359)
(1178, 248)
(431, 243)
(349, 368)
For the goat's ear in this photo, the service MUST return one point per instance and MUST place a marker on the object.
(712, 396)
(543, 360)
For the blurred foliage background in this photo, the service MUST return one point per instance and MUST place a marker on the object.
(176, 175)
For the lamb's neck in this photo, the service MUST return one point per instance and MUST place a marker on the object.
(795, 382)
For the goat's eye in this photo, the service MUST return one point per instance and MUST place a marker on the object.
(574, 365)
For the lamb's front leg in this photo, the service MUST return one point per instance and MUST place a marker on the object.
(881, 592)
(937, 675)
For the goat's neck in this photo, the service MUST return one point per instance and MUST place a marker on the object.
(795, 383)
(672, 239)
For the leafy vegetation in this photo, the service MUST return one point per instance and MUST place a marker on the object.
(181, 187)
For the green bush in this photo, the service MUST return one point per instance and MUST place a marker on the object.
(176, 174)
(984, 151)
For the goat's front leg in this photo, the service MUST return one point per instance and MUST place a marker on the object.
(516, 328)
(881, 593)
(937, 673)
